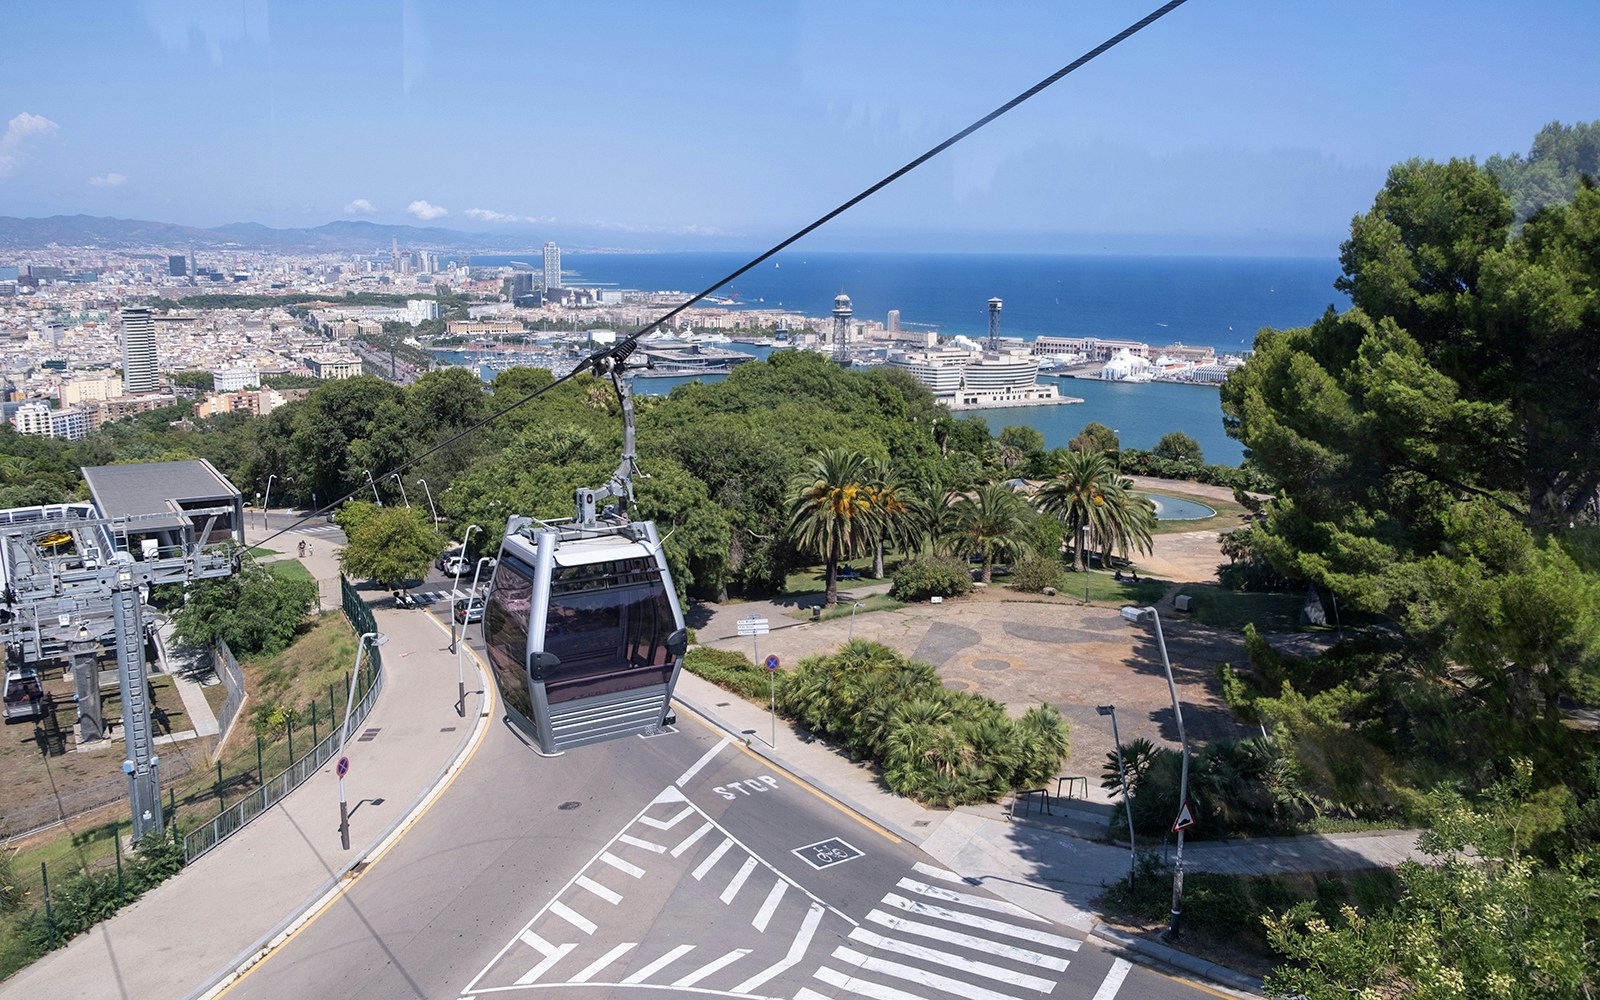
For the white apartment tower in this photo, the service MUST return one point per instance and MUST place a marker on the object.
(552, 266)
(140, 373)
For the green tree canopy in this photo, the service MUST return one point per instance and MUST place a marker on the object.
(391, 545)
(253, 611)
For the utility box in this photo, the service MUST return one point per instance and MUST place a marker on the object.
(1182, 602)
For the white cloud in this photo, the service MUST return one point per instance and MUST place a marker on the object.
(21, 132)
(360, 206)
(107, 180)
(425, 211)
(490, 215)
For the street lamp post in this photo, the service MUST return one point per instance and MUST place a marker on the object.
(455, 587)
(432, 510)
(1083, 546)
(1122, 772)
(396, 477)
(1140, 615)
(377, 639)
(375, 494)
(265, 500)
(853, 609)
(461, 674)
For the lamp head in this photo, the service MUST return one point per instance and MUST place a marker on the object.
(1105, 709)
(374, 638)
(1138, 614)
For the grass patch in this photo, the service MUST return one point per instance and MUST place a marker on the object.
(871, 602)
(1103, 588)
(810, 579)
(291, 570)
(1215, 605)
(258, 551)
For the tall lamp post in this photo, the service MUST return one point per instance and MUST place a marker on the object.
(455, 587)
(461, 671)
(853, 609)
(1122, 772)
(376, 639)
(432, 510)
(1083, 546)
(265, 499)
(396, 477)
(1150, 614)
(375, 494)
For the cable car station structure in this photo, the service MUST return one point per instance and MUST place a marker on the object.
(73, 580)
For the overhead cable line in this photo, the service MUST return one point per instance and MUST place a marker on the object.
(619, 353)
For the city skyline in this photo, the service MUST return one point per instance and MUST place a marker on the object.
(1250, 127)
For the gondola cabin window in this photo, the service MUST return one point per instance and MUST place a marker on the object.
(505, 629)
(608, 624)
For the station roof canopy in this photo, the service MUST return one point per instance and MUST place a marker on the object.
(141, 490)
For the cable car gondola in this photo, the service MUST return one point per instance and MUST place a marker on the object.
(583, 628)
(24, 693)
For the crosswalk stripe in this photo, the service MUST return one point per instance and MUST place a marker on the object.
(985, 923)
(647, 845)
(939, 873)
(797, 951)
(948, 960)
(738, 880)
(599, 890)
(659, 964)
(967, 899)
(905, 926)
(621, 865)
(921, 977)
(1113, 981)
(861, 987)
(712, 859)
(764, 915)
(590, 970)
(690, 840)
(806, 994)
(710, 967)
(552, 953)
(667, 824)
(572, 917)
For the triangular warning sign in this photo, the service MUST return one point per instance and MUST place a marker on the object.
(1185, 819)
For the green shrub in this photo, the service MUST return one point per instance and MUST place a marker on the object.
(1032, 576)
(920, 579)
(730, 670)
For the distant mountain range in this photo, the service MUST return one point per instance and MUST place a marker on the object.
(122, 234)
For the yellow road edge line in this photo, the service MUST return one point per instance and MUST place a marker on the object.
(808, 786)
(334, 894)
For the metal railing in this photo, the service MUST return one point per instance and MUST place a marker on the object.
(274, 789)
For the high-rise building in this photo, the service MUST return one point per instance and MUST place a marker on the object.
(893, 326)
(552, 266)
(177, 265)
(139, 370)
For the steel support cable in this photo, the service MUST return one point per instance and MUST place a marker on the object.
(625, 347)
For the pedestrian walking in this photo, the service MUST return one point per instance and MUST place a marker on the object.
(310, 549)
(302, 550)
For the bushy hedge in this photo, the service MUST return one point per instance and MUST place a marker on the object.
(728, 669)
(1032, 576)
(1147, 463)
(920, 579)
(941, 747)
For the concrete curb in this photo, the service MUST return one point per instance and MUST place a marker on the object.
(1156, 952)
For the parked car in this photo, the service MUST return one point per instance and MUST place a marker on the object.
(445, 558)
(469, 613)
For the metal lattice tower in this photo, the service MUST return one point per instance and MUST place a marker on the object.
(841, 328)
(994, 324)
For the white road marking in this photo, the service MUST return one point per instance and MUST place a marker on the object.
(712, 859)
(939, 873)
(804, 994)
(621, 865)
(647, 845)
(921, 977)
(690, 840)
(861, 987)
(797, 951)
(973, 920)
(710, 967)
(552, 953)
(967, 899)
(590, 970)
(599, 890)
(667, 824)
(572, 917)
(764, 915)
(1113, 981)
(905, 926)
(738, 880)
(702, 762)
(949, 960)
(659, 964)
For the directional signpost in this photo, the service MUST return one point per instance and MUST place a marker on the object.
(755, 626)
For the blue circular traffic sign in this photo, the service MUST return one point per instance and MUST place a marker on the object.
(343, 767)
(772, 662)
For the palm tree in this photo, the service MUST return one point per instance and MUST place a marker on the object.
(1077, 496)
(831, 511)
(993, 521)
(1127, 519)
(930, 500)
(896, 516)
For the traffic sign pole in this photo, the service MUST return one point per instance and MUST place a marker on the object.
(772, 685)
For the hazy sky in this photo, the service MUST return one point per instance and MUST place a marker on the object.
(1256, 126)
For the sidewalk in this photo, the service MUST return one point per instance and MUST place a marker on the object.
(175, 940)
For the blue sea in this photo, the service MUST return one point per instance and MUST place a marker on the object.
(1212, 301)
